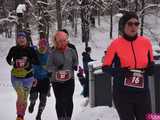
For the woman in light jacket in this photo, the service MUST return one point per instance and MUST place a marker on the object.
(62, 62)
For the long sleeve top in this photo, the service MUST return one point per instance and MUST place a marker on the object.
(58, 60)
(22, 59)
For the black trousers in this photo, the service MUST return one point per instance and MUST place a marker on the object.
(132, 106)
(86, 85)
(41, 89)
(64, 98)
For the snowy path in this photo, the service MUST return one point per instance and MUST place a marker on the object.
(8, 99)
(8, 95)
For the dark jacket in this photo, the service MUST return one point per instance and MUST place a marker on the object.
(86, 59)
(22, 58)
(70, 45)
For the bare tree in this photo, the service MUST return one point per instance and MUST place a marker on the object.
(142, 17)
(85, 18)
(43, 19)
(59, 16)
(111, 18)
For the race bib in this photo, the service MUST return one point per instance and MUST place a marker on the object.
(135, 80)
(63, 75)
(20, 63)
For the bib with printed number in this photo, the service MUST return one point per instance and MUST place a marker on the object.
(63, 75)
(135, 80)
(20, 63)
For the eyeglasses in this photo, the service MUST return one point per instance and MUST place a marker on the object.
(133, 23)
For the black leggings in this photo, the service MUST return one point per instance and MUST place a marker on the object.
(132, 105)
(86, 85)
(42, 89)
(64, 99)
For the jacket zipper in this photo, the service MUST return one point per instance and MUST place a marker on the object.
(134, 54)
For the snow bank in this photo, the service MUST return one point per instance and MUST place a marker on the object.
(98, 113)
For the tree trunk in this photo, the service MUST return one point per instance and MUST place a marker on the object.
(44, 21)
(76, 19)
(99, 19)
(47, 36)
(142, 18)
(136, 3)
(123, 3)
(73, 18)
(85, 16)
(59, 17)
(111, 19)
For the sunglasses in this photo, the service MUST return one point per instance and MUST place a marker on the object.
(133, 23)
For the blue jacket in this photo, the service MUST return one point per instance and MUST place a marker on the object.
(40, 71)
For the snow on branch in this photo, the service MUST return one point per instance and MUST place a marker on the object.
(29, 2)
(147, 7)
(64, 6)
(119, 15)
(6, 20)
(42, 2)
(21, 8)
(102, 6)
(150, 30)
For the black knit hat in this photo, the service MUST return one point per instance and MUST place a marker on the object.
(126, 16)
(64, 30)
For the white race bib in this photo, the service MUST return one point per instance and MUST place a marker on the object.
(63, 75)
(136, 80)
(20, 63)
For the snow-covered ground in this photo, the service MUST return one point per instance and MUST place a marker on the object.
(99, 38)
(8, 96)
(98, 42)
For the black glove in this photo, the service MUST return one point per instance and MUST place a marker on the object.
(75, 68)
(49, 74)
(150, 69)
(79, 75)
(124, 71)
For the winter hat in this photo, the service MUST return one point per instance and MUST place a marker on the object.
(124, 19)
(21, 34)
(64, 30)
